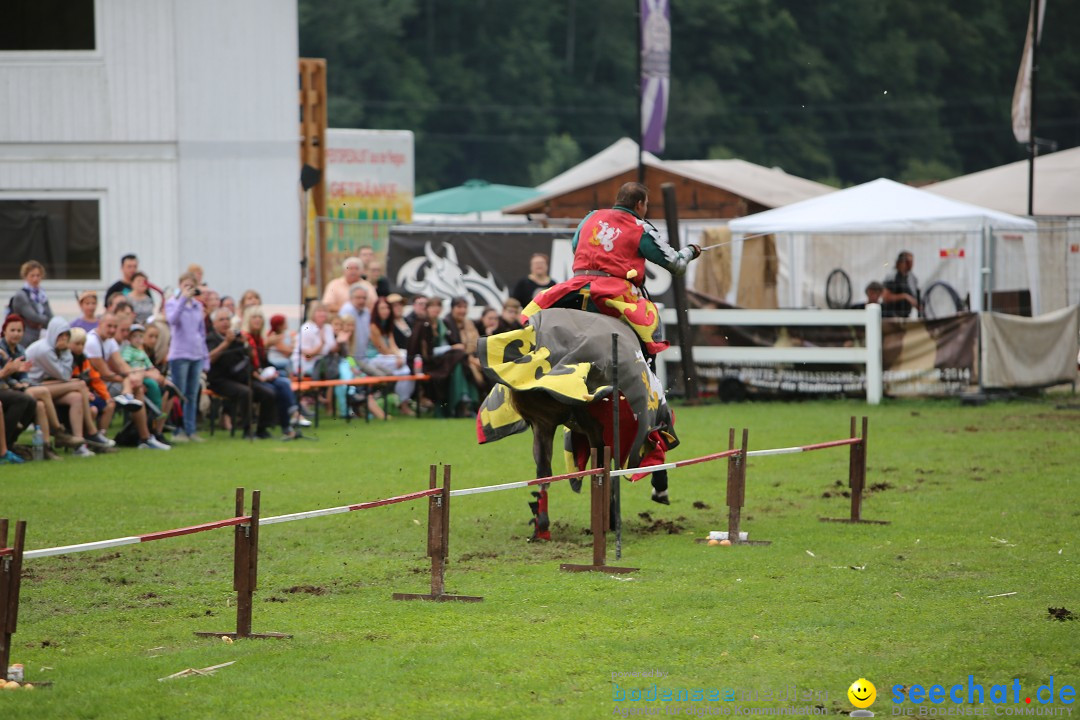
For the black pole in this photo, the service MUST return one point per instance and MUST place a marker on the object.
(678, 284)
(640, 90)
(1031, 107)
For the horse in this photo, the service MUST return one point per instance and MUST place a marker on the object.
(558, 370)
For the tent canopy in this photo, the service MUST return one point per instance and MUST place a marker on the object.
(879, 206)
(1005, 188)
(849, 229)
(472, 197)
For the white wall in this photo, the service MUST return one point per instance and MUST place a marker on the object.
(184, 122)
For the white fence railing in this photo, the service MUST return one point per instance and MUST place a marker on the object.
(869, 355)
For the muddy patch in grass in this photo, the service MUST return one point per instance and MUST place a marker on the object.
(1061, 614)
(305, 589)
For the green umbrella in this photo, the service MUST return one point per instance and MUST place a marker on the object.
(472, 197)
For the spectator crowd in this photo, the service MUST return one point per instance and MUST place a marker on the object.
(141, 367)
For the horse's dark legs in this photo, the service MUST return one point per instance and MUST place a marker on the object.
(543, 439)
(659, 487)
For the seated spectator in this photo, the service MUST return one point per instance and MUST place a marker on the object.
(467, 381)
(122, 381)
(187, 351)
(129, 265)
(252, 329)
(511, 316)
(6, 456)
(15, 389)
(31, 302)
(401, 327)
(279, 344)
(231, 375)
(374, 275)
(51, 367)
(386, 357)
(537, 280)
(250, 298)
(139, 296)
(100, 401)
(443, 355)
(211, 301)
(122, 309)
(88, 303)
(874, 291)
(489, 321)
(19, 409)
(153, 381)
(418, 311)
(358, 310)
(316, 340)
(353, 398)
(337, 290)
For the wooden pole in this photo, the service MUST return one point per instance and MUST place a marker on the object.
(245, 570)
(857, 477)
(10, 580)
(438, 543)
(597, 515)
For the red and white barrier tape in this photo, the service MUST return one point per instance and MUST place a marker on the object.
(804, 448)
(676, 464)
(525, 483)
(133, 539)
(348, 508)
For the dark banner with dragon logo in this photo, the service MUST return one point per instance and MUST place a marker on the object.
(482, 264)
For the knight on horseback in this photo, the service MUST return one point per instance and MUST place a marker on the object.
(610, 250)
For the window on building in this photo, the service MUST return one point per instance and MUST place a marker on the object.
(47, 25)
(63, 235)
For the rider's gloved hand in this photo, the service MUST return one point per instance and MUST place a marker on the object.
(684, 256)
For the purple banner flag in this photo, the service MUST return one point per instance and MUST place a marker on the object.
(655, 72)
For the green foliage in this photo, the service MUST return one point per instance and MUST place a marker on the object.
(560, 153)
(851, 90)
(981, 502)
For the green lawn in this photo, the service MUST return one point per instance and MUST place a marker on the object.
(983, 501)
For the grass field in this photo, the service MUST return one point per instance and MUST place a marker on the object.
(983, 501)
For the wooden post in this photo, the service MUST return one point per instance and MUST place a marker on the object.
(857, 477)
(734, 491)
(438, 543)
(10, 579)
(245, 570)
(598, 512)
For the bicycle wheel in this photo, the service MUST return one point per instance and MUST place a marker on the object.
(940, 300)
(838, 290)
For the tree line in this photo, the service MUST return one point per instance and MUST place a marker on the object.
(843, 91)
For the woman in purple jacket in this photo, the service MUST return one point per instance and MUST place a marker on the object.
(187, 351)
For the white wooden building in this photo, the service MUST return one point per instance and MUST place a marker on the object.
(163, 128)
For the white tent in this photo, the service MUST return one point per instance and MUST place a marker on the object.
(861, 229)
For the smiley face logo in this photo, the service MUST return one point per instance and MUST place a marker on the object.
(862, 693)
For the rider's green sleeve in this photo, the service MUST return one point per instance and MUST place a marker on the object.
(657, 251)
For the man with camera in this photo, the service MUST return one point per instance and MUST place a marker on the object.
(231, 375)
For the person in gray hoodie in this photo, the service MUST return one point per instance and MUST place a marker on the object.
(51, 369)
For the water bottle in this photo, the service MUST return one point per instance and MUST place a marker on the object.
(38, 444)
(418, 365)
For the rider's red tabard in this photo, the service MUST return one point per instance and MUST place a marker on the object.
(608, 241)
